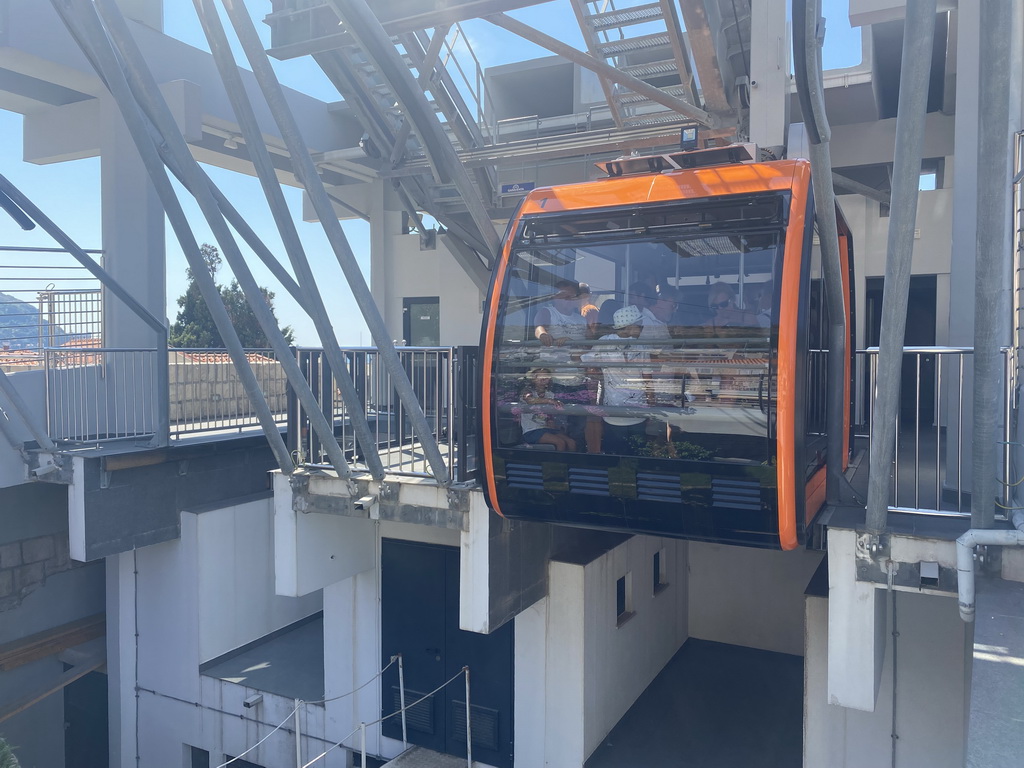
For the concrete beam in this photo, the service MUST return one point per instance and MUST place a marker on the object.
(312, 551)
(875, 143)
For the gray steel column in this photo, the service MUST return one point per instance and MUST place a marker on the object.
(807, 49)
(147, 94)
(92, 35)
(305, 171)
(992, 266)
(919, 31)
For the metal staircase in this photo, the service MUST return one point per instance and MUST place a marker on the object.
(644, 40)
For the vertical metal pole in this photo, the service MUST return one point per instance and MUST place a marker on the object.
(469, 724)
(401, 702)
(362, 744)
(298, 733)
(919, 32)
(992, 259)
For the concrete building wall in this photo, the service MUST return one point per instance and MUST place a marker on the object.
(39, 590)
(931, 692)
(236, 597)
(749, 597)
(199, 596)
(578, 668)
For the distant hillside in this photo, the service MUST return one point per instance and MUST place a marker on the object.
(19, 325)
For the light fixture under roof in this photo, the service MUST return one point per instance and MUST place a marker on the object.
(231, 142)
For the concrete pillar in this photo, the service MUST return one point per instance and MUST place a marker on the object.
(385, 224)
(133, 233)
(769, 86)
(121, 657)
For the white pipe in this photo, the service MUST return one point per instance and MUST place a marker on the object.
(965, 557)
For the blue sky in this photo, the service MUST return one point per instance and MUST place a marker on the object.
(69, 192)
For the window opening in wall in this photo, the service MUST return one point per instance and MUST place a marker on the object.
(658, 568)
(624, 599)
(198, 758)
(929, 181)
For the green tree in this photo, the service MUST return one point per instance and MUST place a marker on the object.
(194, 326)
(7, 758)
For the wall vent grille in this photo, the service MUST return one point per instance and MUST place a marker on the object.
(736, 494)
(590, 482)
(528, 476)
(655, 486)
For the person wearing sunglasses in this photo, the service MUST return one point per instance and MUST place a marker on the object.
(723, 310)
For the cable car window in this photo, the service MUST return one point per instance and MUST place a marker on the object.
(640, 333)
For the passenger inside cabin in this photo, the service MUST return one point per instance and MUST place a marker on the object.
(724, 310)
(589, 310)
(625, 382)
(540, 427)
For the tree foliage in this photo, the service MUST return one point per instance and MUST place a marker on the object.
(7, 758)
(194, 326)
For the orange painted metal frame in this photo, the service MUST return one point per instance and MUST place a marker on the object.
(702, 183)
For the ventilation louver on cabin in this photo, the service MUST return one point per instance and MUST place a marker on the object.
(528, 476)
(419, 717)
(590, 482)
(484, 724)
(736, 494)
(655, 486)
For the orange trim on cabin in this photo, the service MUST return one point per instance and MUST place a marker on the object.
(815, 495)
(785, 431)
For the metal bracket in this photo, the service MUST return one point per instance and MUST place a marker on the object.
(873, 547)
(105, 475)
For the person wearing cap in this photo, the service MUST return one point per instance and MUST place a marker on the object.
(627, 386)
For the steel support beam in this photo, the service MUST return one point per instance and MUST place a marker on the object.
(374, 41)
(910, 116)
(161, 425)
(307, 175)
(84, 25)
(855, 187)
(602, 69)
(312, 301)
(703, 25)
(992, 265)
(807, 57)
(147, 94)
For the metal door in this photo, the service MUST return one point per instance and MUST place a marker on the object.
(421, 318)
(420, 620)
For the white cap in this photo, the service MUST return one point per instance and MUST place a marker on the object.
(628, 315)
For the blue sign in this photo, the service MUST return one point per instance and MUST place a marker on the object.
(519, 188)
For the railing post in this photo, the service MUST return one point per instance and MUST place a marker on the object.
(401, 702)
(162, 417)
(469, 729)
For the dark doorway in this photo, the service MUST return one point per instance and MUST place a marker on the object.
(920, 332)
(420, 620)
(85, 722)
(421, 321)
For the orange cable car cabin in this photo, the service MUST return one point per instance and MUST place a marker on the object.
(654, 354)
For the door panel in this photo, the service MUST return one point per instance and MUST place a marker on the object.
(420, 619)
